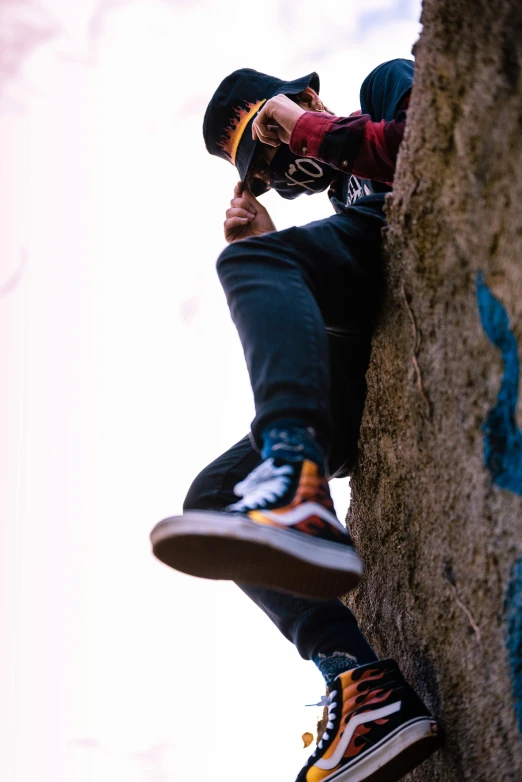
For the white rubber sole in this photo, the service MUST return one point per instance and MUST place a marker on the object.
(215, 545)
(395, 756)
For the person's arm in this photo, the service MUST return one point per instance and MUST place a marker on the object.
(354, 144)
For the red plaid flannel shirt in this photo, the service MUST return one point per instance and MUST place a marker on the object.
(354, 145)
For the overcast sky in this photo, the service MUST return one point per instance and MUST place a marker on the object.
(125, 377)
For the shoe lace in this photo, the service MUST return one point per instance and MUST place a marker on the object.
(265, 484)
(331, 704)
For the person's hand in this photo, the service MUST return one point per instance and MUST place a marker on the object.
(246, 216)
(275, 121)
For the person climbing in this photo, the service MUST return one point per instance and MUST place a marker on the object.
(304, 301)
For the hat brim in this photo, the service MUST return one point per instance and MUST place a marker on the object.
(247, 146)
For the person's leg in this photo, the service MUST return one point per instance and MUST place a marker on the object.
(284, 289)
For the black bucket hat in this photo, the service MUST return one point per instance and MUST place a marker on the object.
(231, 111)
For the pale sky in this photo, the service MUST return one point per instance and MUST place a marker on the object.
(125, 377)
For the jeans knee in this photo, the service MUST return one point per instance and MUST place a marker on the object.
(230, 253)
(237, 266)
(200, 495)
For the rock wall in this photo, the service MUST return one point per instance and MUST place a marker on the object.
(437, 496)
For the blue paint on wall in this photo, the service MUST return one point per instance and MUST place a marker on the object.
(513, 617)
(502, 437)
(503, 458)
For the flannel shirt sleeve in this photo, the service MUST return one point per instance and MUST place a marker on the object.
(355, 144)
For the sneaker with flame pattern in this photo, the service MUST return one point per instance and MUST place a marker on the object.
(283, 535)
(378, 729)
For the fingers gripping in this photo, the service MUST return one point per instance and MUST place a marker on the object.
(275, 121)
(235, 212)
(265, 127)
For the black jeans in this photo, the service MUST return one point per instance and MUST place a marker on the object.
(304, 302)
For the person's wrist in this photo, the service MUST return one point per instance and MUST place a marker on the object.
(297, 113)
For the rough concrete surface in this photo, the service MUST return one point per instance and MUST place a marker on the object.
(440, 525)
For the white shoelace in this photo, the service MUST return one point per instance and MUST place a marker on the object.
(267, 483)
(331, 717)
(323, 702)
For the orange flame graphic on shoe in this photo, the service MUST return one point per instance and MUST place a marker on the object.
(233, 132)
(312, 487)
(357, 697)
(357, 742)
(360, 699)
